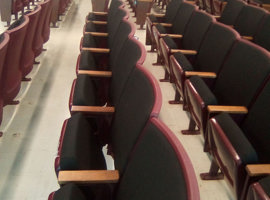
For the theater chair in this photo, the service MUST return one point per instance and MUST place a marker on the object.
(174, 30)
(215, 47)
(28, 56)
(140, 100)
(218, 7)
(38, 39)
(46, 27)
(249, 20)
(235, 146)
(12, 74)
(4, 42)
(191, 41)
(231, 12)
(104, 16)
(235, 88)
(105, 26)
(102, 58)
(104, 40)
(99, 88)
(152, 19)
(159, 168)
(259, 190)
(209, 6)
(261, 36)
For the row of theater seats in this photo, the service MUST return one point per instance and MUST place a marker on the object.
(118, 107)
(20, 44)
(223, 81)
(18, 6)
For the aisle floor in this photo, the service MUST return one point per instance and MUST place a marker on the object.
(32, 128)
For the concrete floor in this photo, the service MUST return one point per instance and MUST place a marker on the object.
(32, 128)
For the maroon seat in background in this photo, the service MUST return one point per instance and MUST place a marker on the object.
(28, 56)
(4, 40)
(12, 74)
(46, 27)
(38, 40)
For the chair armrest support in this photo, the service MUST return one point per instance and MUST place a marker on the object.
(88, 176)
(98, 34)
(258, 169)
(228, 109)
(96, 73)
(99, 22)
(183, 51)
(171, 35)
(250, 38)
(93, 109)
(201, 74)
(97, 50)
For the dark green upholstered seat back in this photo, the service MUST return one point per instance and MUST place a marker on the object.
(114, 8)
(262, 36)
(249, 19)
(242, 75)
(231, 11)
(132, 113)
(265, 183)
(154, 171)
(171, 10)
(196, 30)
(256, 125)
(124, 65)
(16, 23)
(114, 25)
(117, 42)
(2, 37)
(81, 149)
(215, 47)
(182, 18)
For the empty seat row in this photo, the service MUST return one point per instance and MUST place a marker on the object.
(215, 71)
(21, 43)
(126, 121)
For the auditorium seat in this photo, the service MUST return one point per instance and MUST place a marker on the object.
(97, 88)
(104, 16)
(17, 6)
(249, 20)
(176, 28)
(259, 190)
(4, 42)
(237, 84)
(191, 41)
(102, 58)
(38, 40)
(28, 56)
(218, 7)
(240, 143)
(215, 48)
(140, 100)
(104, 40)
(209, 6)
(47, 21)
(12, 74)
(168, 17)
(231, 12)
(159, 168)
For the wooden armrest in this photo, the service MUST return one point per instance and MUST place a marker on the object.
(183, 51)
(99, 22)
(201, 74)
(96, 73)
(164, 24)
(216, 16)
(97, 34)
(191, 2)
(144, 0)
(228, 109)
(258, 169)
(93, 109)
(97, 50)
(250, 38)
(171, 35)
(100, 13)
(156, 15)
(88, 176)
